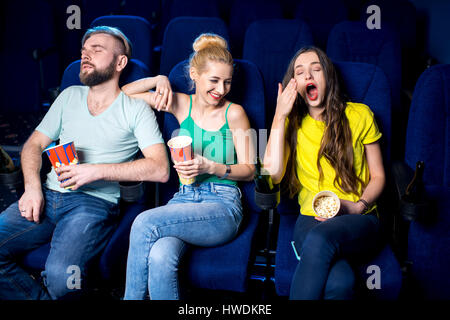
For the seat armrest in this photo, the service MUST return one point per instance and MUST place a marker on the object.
(402, 175)
(409, 209)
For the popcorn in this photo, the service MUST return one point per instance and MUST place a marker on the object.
(326, 204)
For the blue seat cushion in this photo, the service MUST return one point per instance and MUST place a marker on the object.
(429, 246)
(224, 267)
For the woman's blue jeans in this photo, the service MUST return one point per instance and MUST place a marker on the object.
(325, 249)
(207, 215)
(78, 226)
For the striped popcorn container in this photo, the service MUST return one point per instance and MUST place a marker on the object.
(62, 155)
(181, 150)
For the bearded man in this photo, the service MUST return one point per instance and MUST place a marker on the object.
(108, 128)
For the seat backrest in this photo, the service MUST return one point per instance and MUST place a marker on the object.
(134, 70)
(353, 41)
(148, 9)
(194, 8)
(400, 15)
(172, 9)
(246, 90)
(138, 31)
(331, 13)
(270, 44)
(90, 10)
(181, 33)
(367, 83)
(428, 131)
(243, 13)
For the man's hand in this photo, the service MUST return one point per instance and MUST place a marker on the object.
(31, 204)
(78, 175)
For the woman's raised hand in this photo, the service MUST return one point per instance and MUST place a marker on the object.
(163, 94)
(286, 98)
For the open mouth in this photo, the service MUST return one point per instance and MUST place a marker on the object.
(312, 92)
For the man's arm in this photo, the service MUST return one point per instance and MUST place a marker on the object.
(154, 167)
(32, 201)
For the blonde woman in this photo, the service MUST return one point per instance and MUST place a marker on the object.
(208, 212)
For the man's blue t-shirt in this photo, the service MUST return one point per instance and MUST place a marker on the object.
(114, 136)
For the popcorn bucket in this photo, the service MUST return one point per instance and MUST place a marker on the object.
(62, 155)
(181, 150)
(326, 204)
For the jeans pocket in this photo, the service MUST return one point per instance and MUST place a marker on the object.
(230, 193)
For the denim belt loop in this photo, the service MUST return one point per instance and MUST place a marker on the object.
(212, 187)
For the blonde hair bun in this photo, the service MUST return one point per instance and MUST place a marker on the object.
(206, 40)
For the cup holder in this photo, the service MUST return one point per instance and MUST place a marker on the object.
(131, 191)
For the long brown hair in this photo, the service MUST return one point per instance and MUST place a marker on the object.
(336, 145)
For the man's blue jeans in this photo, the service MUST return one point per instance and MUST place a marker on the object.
(206, 215)
(325, 249)
(78, 225)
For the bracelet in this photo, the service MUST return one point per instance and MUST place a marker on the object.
(366, 205)
(226, 172)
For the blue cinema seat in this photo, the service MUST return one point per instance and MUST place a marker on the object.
(270, 44)
(93, 9)
(367, 84)
(172, 9)
(149, 9)
(243, 13)
(223, 267)
(400, 15)
(112, 261)
(139, 32)
(353, 41)
(331, 13)
(428, 140)
(179, 35)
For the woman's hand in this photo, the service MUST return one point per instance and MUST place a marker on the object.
(286, 98)
(347, 207)
(195, 167)
(350, 207)
(162, 100)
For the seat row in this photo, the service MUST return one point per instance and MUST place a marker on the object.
(49, 45)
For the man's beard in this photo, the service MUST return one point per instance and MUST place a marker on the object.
(97, 77)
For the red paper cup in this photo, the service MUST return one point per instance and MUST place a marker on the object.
(62, 155)
(181, 150)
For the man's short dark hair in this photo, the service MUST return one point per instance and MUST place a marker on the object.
(126, 46)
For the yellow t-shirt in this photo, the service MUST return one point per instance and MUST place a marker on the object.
(364, 131)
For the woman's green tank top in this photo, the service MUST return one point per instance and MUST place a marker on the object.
(217, 146)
